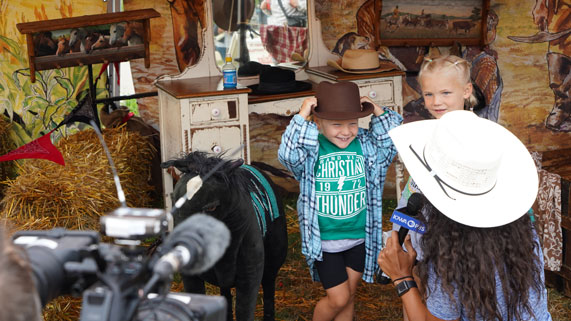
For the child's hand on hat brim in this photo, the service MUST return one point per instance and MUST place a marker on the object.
(306, 106)
(378, 111)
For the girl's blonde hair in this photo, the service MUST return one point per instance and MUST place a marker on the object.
(450, 63)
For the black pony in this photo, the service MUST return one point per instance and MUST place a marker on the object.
(247, 202)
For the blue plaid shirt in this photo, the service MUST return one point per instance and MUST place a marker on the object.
(299, 151)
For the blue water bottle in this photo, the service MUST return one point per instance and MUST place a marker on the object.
(229, 73)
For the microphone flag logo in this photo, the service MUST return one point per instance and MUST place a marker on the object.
(407, 222)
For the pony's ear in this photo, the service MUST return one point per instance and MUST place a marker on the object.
(180, 164)
(235, 164)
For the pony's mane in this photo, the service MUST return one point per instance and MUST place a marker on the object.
(200, 163)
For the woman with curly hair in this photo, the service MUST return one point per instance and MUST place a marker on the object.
(481, 256)
(19, 300)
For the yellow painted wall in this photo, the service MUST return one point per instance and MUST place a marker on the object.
(42, 104)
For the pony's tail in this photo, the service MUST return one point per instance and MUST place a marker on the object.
(272, 170)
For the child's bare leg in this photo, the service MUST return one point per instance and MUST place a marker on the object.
(338, 305)
(354, 280)
(332, 304)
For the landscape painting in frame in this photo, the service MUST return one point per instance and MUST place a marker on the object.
(432, 22)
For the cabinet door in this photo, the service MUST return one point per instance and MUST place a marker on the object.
(217, 139)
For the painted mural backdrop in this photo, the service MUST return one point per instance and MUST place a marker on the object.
(431, 19)
(338, 18)
(172, 48)
(529, 97)
(522, 76)
(549, 33)
(36, 108)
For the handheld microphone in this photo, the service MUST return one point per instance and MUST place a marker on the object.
(194, 246)
(413, 206)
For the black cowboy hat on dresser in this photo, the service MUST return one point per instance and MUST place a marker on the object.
(251, 68)
(275, 80)
(340, 101)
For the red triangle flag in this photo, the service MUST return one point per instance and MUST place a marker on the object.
(41, 148)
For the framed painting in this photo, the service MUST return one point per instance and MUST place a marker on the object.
(89, 39)
(433, 22)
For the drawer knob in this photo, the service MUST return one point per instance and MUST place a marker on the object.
(215, 112)
(216, 149)
(372, 94)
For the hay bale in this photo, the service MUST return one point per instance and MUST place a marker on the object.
(7, 169)
(47, 195)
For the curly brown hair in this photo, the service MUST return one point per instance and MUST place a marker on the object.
(18, 296)
(467, 258)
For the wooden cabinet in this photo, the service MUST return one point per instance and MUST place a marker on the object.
(199, 114)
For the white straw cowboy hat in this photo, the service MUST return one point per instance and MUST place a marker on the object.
(361, 61)
(471, 169)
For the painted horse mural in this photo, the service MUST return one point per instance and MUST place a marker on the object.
(552, 18)
(246, 200)
(126, 33)
(188, 21)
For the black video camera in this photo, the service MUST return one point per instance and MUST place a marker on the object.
(118, 282)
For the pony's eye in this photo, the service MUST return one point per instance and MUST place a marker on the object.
(211, 207)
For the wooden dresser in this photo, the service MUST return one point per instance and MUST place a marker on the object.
(199, 114)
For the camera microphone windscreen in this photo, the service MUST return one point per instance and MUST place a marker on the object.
(194, 246)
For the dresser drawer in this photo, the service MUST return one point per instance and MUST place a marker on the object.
(206, 111)
(381, 92)
(215, 139)
(284, 107)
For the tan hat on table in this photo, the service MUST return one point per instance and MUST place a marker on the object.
(362, 61)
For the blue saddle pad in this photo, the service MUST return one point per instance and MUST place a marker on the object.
(263, 198)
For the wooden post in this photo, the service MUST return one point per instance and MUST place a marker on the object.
(146, 41)
(31, 56)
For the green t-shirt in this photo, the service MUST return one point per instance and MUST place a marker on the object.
(340, 188)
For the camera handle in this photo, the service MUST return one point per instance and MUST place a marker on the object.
(115, 295)
(106, 301)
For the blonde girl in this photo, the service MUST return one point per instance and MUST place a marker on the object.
(445, 84)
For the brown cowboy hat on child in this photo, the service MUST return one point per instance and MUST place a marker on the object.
(340, 101)
(362, 61)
